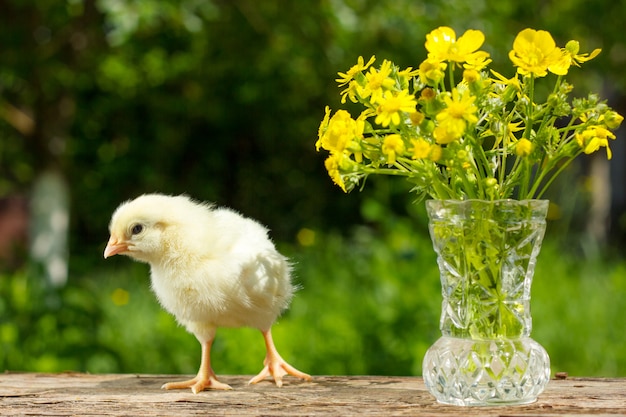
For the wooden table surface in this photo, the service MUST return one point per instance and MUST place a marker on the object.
(75, 394)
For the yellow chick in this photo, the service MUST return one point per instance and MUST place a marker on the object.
(209, 267)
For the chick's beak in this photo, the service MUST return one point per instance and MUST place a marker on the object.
(115, 246)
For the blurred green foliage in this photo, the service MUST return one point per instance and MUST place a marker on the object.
(222, 99)
(369, 303)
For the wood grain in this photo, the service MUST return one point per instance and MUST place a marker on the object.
(75, 394)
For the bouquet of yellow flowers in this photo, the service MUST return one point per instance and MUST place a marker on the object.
(459, 130)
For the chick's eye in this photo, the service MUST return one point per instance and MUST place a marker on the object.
(136, 229)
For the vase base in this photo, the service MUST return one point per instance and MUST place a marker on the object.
(476, 403)
(470, 372)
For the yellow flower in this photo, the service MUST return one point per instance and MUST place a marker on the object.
(570, 56)
(533, 52)
(459, 108)
(609, 118)
(336, 133)
(406, 74)
(509, 82)
(477, 61)
(523, 147)
(376, 82)
(392, 146)
(421, 149)
(513, 127)
(431, 71)
(435, 153)
(512, 89)
(593, 138)
(348, 76)
(388, 111)
(350, 92)
(332, 166)
(442, 45)
(449, 131)
(322, 128)
(483, 136)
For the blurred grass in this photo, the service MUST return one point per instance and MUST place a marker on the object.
(369, 303)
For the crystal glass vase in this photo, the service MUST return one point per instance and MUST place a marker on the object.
(486, 252)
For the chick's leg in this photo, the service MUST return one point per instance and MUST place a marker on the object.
(275, 365)
(206, 378)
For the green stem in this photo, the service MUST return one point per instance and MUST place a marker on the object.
(542, 190)
(531, 106)
(451, 75)
(525, 183)
(388, 171)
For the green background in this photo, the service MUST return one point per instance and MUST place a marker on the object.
(222, 100)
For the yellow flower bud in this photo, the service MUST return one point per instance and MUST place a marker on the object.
(416, 117)
(613, 119)
(492, 187)
(428, 94)
(523, 148)
(428, 126)
(553, 100)
(510, 92)
(572, 47)
(491, 182)
(431, 71)
(471, 75)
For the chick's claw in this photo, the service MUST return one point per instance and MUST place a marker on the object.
(198, 384)
(275, 365)
(278, 369)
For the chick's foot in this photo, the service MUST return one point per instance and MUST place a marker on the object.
(205, 379)
(278, 368)
(275, 365)
(197, 384)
